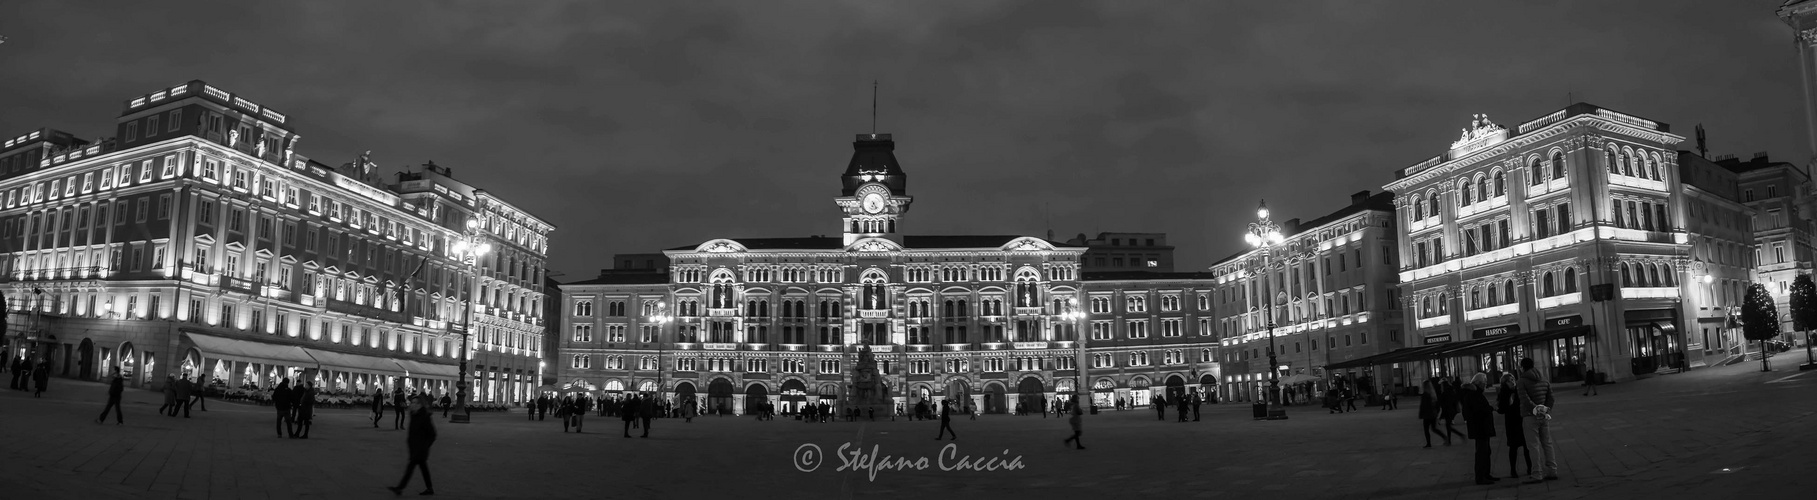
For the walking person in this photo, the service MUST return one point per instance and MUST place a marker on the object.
(23, 381)
(184, 390)
(446, 404)
(646, 412)
(1160, 408)
(197, 391)
(1196, 401)
(1349, 398)
(1536, 410)
(1508, 403)
(305, 408)
(398, 405)
(1429, 412)
(378, 406)
(1447, 406)
(281, 398)
(628, 412)
(1076, 421)
(115, 385)
(1590, 383)
(1183, 406)
(421, 437)
(168, 409)
(42, 376)
(946, 422)
(1479, 420)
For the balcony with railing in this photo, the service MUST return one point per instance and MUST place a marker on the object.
(62, 273)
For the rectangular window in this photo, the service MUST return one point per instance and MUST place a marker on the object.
(163, 206)
(151, 126)
(170, 167)
(144, 208)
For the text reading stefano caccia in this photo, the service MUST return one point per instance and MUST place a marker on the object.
(808, 458)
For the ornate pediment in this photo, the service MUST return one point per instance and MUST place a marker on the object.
(720, 246)
(873, 245)
(1481, 134)
(1027, 244)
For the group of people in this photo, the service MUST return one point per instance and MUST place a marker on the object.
(569, 409)
(27, 374)
(1183, 404)
(180, 394)
(296, 408)
(1524, 399)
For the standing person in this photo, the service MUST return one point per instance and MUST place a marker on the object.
(1160, 408)
(1076, 421)
(1508, 403)
(1429, 412)
(18, 365)
(1183, 406)
(1536, 409)
(281, 398)
(1196, 401)
(542, 407)
(1349, 398)
(378, 406)
(628, 412)
(42, 377)
(1590, 383)
(946, 422)
(645, 412)
(446, 404)
(1447, 406)
(198, 391)
(1479, 419)
(184, 388)
(689, 410)
(23, 381)
(168, 409)
(421, 437)
(398, 406)
(115, 385)
(305, 407)
(581, 405)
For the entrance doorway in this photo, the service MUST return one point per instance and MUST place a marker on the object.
(755, 397)
(958, 394)
(85, 361)
(993, 398)
(794, 396)
(1176, 388)
(684, 394)
(1029, 395)
(719, 396)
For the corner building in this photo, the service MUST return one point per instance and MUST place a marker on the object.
(979, 320)
(1562, 239)
(200, 242)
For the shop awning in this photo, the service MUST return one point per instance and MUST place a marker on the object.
(429, 370)
(249, 351)
(1463, 348)
(355, 363)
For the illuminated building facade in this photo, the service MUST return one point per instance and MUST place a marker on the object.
(1722, 255)
(1113, 252)
(1329, 289)
(200, 242)
(1780, 196)
(982, 320)
(1515, 232)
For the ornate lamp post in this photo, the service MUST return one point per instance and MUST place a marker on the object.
(1072, 315)
(1264, 234)
(467, 250)
(661, 317)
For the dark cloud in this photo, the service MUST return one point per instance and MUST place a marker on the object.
(636, 126)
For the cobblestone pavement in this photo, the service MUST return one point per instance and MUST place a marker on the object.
(1669, 436)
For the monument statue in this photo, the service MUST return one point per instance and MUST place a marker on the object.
(868, 390)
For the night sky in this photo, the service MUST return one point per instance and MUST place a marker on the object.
(640, 126)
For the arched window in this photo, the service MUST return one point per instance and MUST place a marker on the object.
(722, 290)
(1508, 292)
(1534, 174)
(1671, 277)
(1546, 286)
(1571, 281)
(1627, 164)
(1444, 303)
(1426, 306)
(1651, 173)
(1653, 272)
(1419, 207)
(1627, 275)
(1463, 189)
(1482, 188)
(1027, 294)
(1501, 183)
(1558, 165)
(1432, 203)
(1495, 296)
(1614, 166)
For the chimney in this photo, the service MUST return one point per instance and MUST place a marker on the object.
(1702, 143)
(1761, 157)
(1359, 197)
(1290, 227)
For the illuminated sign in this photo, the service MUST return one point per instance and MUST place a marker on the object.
(1438, 339)
(1500, 330)
(1567, 321)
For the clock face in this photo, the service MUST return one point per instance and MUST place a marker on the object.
(873, 203)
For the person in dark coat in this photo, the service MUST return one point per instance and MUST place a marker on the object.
(169, 408)
(542, 407)
(946, 421)
(42, 376)
(1448, 406)
(197, 391)
(628, 412)
(447, 403)
(421, 437)
(18, 371)
(1196, 401)
(115, 386)
(378, 406)
(1479, 419)
(305, 408)
(22, 376)
(1184, 405)
(645, 412)
(281, 398)
(1160, 408)
(398, 405)
(184, 391)
(1508, 403)
(1429, 411)
(1076, 421)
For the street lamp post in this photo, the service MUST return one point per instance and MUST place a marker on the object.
(1072, 315)
(661, 318)
(469, 247)
(1264, 234)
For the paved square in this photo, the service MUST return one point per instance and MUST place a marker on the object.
(1664, 437)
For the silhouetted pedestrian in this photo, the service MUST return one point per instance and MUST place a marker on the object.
(281, 398)
(378, 406)
(946, 422)
(421, 437)
(197, 391)
(184, 390)
(1508, 403)
(1429, 412)
(446, 404)
(1536, 409)
(41, 375)
(398, 405)
(1479, 419)
(115, 385)
(1077, 422)
(305, 410)
(628, 412)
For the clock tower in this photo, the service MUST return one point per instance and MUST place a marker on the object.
(874, 191)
